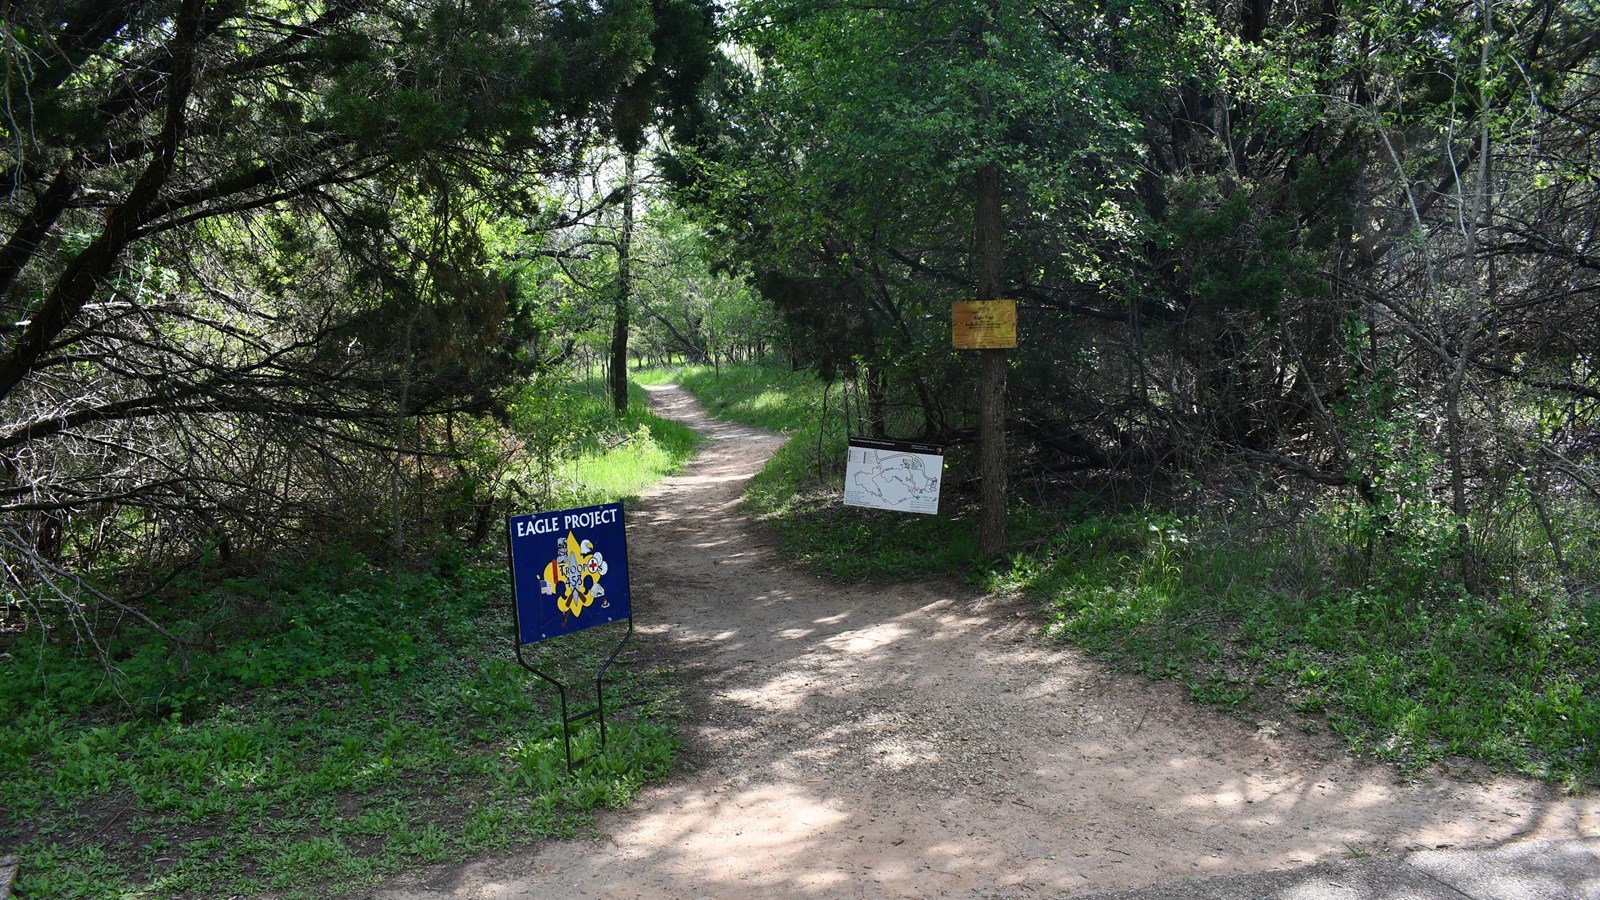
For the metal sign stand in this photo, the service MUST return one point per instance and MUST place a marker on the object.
(598, 712)
(548, 596)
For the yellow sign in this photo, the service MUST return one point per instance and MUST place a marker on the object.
(983, 324)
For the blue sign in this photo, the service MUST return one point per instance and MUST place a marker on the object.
(569, 571)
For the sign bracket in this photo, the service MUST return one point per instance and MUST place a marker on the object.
(549, 597)
(597, 712)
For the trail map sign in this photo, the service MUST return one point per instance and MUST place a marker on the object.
(983, 324)
(569, 571)
(896, 475)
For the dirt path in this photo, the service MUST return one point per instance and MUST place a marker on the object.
(917, 741)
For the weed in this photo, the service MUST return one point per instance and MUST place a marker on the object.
(369, 721)
(1384, 650)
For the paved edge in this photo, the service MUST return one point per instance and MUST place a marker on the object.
(1530, 870)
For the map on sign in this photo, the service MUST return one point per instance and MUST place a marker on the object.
(895, 475)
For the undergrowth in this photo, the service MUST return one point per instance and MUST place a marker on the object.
(579, 449)
(1509, 680)
(1400, 663)
(769, 397)
(798, 492)
(377, 722)
(305, 730)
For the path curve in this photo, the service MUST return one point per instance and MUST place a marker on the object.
(918, 741)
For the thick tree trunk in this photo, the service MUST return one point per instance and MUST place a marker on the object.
(990, 237)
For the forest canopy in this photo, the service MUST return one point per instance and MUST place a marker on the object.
(275, 276)
(259, 273)
(1347, 248)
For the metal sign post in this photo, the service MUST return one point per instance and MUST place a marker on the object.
(569, 572)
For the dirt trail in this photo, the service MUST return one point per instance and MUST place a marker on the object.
(917, 741)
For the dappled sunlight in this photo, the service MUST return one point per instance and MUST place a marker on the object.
(915, 740)
(867, 639)
(1282, 812)
(690, 482)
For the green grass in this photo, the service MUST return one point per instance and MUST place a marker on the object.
(848, 543)
(623, 457)
(320, 727)
(1509, 681)
(377, 722)
(1265, 622)
(799, 492)
(582, 452)
(769, 397)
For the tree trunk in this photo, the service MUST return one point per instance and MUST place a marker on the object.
(990, 237)
(87, 271)
(1477, 217)
(877, 402)
(619, 327)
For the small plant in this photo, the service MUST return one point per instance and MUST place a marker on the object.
(353, 723)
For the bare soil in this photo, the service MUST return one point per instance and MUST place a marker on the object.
(919, 740)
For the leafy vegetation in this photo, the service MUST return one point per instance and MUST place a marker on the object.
(763, 396)
(1260, 619)
(272, 276)
(280, 278)
(625, 456)
(1254, 608)
(790, 494)
(1249, 244)
(307, 729)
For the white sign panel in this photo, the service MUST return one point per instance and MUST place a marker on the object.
(895, 475)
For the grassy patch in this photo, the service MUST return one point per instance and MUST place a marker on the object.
(1263, 620)
(1509, 682)
(627, 454)
(799, 493)
(307, 731)
(581, 451)
(803, 503)
(377, 722)
(769, 397)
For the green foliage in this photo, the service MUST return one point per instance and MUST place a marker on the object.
(691, 304)
(851, 544)
(838, 164)
(1409, 532)
(579, 451)
(1240, 253)
(767, 397)
(1247, 621)
(798, 491)
(307, 730)
(1297, 616)
(331, 316)
(355, 723)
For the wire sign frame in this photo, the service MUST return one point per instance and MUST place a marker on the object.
(569, 572)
